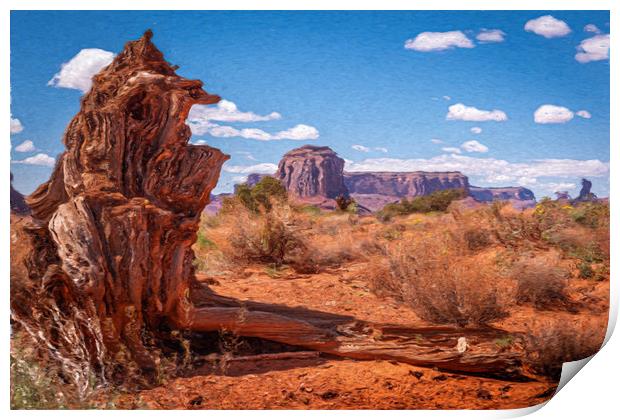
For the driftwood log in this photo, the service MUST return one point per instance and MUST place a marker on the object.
(113, 228)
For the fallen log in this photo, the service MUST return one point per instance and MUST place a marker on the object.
(348, 337)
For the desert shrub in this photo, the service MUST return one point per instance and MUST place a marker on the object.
(440, 284)
(477, 238)
(267, 238)
(436, 201)
(541, 282)
(345, 203)
(548, 346)
(592, 215)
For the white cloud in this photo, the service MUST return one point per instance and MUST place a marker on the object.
(226, 111)
(298, 132)
(552, 114)
(240, 179)
(476, 130)
(259, 168)
(548, 26)
(436, 141)
(474, 146)
(590, 27)
(360, 148)
(583, 114)
(40, 159)
(438, 41)
(593, 49)
(446, 97)
(26, 146)
(16, 126)
(451, 149)
(469, 113)
(201, 121)
(490, 169)
(560, 186)
(491, 35)
(78, 72)
(381, 149)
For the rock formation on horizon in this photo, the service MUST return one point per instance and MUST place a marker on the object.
(315, 175)
(312, 171)
(585, 193)
(113, 227)
(18, 203)
(519, 197)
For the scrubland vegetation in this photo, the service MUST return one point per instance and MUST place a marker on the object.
(533, 273)
(451, 264)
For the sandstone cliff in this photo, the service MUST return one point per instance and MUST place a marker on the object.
(403, 184)
(519, 197)
(311, 171)
(315, 175)
(18, 204)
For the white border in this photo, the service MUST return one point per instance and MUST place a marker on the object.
(592, 395)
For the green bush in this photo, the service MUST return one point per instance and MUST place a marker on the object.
(436, 201)
(260, 196)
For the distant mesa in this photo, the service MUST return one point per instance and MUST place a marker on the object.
(586, 194)
(312, 171)
(18, 203)
(519, 197)
(315, 175)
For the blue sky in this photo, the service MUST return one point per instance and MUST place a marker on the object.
(386, 90)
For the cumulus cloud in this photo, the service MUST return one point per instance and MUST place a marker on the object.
(259, 168)
(360, 148)
(78, 72)
(40, 159)
(298, 132)
(583, 114)
(26, 146)
(446, 97)
(548, 26)
(553, 114)
(204, 119)
(226, 111)
(469, 113)
(476, 130)
(451, 149)
(438, 41)
(593, 49)
(491, 35)
(436, 141)
(590, 27)
(16, 126)
(381, 149)
(474, 146)
(489, 169)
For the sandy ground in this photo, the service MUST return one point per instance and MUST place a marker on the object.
(328, 383)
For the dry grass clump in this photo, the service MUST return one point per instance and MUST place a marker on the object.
(563, 340)
(541, 282)
(285, 235)
(442, 284)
